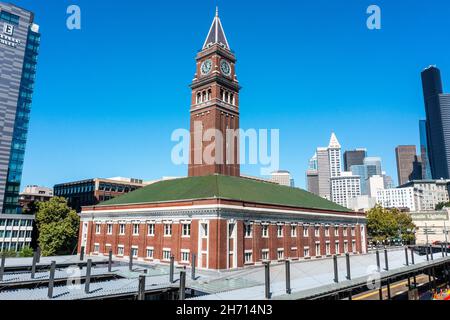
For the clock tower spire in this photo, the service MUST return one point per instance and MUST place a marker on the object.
(214, 110)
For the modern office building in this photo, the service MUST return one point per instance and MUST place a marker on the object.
(433, 192)
(34, 194)
(93, 191)
(354, 158)
(16, 231)
(374, 184)
(426, 167)
(373, 166)
(401, 198)
(323, 172)
(344, 188)
(334, 152)
(409, 166)
(312, 176)
(283, 178)
(19, 45)
(215, 217)
(437, 107)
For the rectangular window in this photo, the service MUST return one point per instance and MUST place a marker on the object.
(149, 253)
(166, 254)
(353, 246)
(337, 249)
(305, 231)
(306, 252)
(151, 229)
(120, 250)
(353, 231)
(122, 229)
(204, 230)
(345, 231)
(293, 231)
(186, 230)
(98, 228)
(318, 250)
(265, 231)
(248, 257)
(265, 254)
(328, 248)
(167, 230)
(327, 232)
(248, 230)
(135, 229)
(280, 254)
(96, 248)
(184, 256)
(279, 231)
(345, 246)
(317, 231)
(109, 228)
(336, 231)
(134, 252)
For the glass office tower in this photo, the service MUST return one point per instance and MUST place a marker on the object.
(426, 169)
(19, 45)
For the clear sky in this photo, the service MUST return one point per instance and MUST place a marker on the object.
(108, 96)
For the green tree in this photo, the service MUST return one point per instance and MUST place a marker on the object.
(26, 252)
(385, 224)
(58, 227)
(442, 205)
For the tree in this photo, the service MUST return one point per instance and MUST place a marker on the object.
(385, 224)
(58, 227)
(26, 252)
(442, 205)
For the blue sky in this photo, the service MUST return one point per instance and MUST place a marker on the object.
(108, 96)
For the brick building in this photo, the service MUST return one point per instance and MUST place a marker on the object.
(222, 219)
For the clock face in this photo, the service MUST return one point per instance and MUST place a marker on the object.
(206, 67)
(225, 67)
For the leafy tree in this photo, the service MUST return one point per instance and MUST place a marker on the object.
(442, 205)
(58, 227)
(26, 252)
(385, 224)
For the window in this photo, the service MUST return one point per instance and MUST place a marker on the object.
(166, 254)
(336, 231)
(280, 254)
(248, 230)
(96, 248)
(353, 231)
(186, 230)
(327, 231)
(265, 254)
(317, 231)
(279, 231)
(167, 230)
(265, 231)
(353, 246)
(151, 229)
(135, 229)
(109, 228)
(345, 246)
(185, 255)
(317, 249)
(97, 228)
(121, 229)
(345, 231)
(306, 252)
(120, 250)
(328, 248)
(149, 253)
(293, 231)
(336, 248)
(305, 231)
(134, 252)
(204, 230)
(248, 257)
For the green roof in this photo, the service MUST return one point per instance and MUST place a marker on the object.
(225, 187)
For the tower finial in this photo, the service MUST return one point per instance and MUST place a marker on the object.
(217, 11)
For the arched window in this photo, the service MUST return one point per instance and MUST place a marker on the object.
(226, 97)
(204, 96)
(199, 97)
(232, 98)
(222, 95)
(209, 94)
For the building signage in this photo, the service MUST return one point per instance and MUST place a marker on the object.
(6, 37)
(432, 216)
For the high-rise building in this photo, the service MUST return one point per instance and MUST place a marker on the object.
(400, 198)
(374, 184)
(282, 178)
(354, 158)
(334, 152)
(373, 166)
(19, 45)
(312, 176)
(437, 107)
(345, 187)
(409, 166)
(426, 168)
(323, 172)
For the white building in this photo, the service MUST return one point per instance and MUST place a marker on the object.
(363, 203)
(374, 184)
(400, 198)
(334, 153)
(15, 231)
(344, 188)
(433, 192)
(283, 178)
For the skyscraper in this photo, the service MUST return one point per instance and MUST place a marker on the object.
(437, 107)
(408, 165)
(426, 168)
(323, 172)
(354, 158)
(19, 45)
(312, 176)
(334, 151)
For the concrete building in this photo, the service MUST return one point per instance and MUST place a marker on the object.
(375, 183)
(431, 226)
(323, 172)
(16, 231)
(312, 176)
(282, 178)
(354, 158)
(34, 194)
(19, 45)
(344, 188)
(334, 153)
(409, 166)
(363, 203)
(437, 107)
(93, 191)
(433, 192)
(400, 198)
(215, 216)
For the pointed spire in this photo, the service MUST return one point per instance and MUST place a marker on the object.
(334, 143)
(216, 34)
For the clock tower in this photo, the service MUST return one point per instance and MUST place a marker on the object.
(214, 146)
